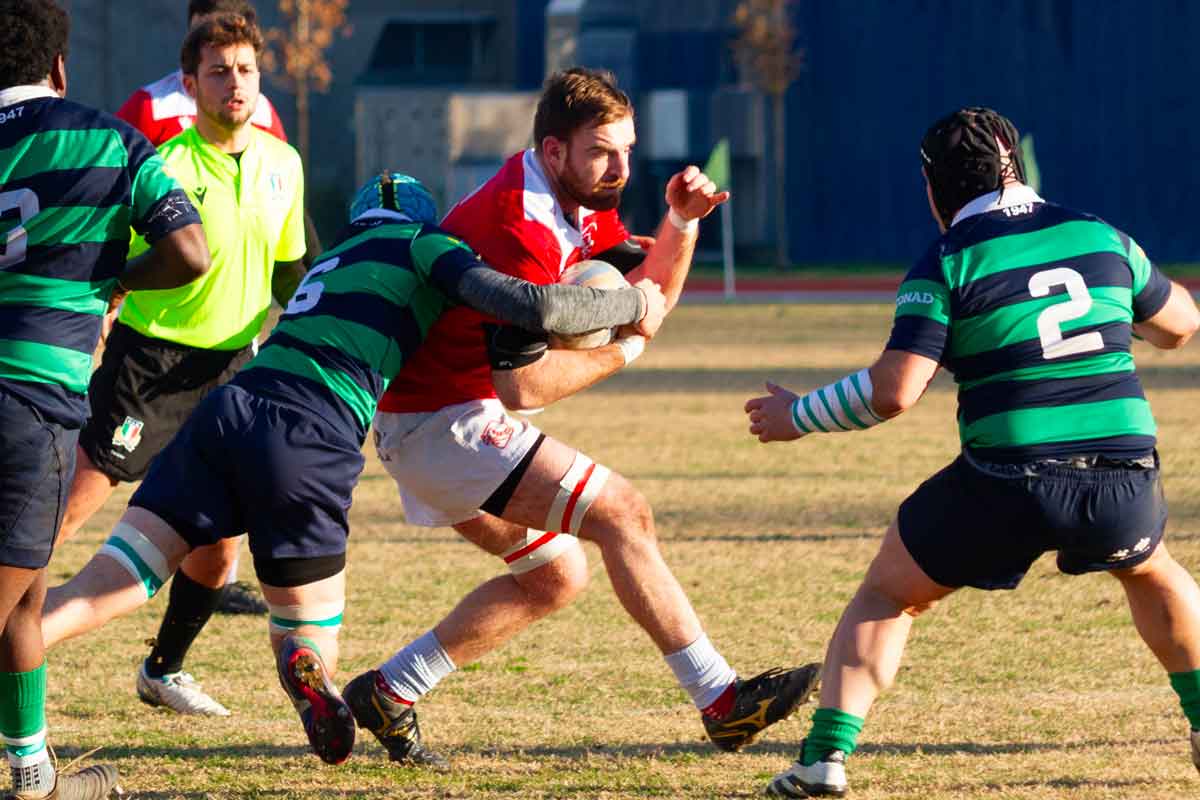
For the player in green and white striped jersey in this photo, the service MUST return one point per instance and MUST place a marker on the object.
(277, 451)
(1032, 307)
(72, 182)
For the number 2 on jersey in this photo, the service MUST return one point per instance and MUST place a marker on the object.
(1049, 322)
(308, 293)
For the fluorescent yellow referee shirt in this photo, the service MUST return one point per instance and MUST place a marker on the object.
(253, 213)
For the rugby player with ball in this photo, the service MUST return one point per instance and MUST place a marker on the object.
(461, 459)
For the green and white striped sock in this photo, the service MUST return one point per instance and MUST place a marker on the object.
(23, 726)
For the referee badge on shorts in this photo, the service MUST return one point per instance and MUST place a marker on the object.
(128, 434)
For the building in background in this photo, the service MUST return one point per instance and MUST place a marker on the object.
(453, 121)
(444, 89)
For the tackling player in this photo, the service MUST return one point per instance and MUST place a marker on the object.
(170, 348)
(278, 450)
(1032, 307)
(460, 459)
(72, 182)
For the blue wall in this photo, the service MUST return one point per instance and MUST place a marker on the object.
(1108, 89)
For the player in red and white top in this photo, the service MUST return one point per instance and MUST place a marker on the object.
(460, 459)
(163, 109)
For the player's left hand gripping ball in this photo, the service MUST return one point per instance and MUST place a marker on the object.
(771, 416)
(692, 195)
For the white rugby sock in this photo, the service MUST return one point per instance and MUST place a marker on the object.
(30, 766)
(702, 672)
(233, 569)
(415, 670)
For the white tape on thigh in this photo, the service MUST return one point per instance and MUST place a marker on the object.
(538, 548)
(130, 548)
(577, 490)
(285, 619)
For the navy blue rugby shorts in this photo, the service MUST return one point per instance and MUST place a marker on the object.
(243, 463)
(983, 525)
(37, 464)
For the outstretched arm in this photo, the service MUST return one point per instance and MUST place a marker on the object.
(892, 385)
(555, 308)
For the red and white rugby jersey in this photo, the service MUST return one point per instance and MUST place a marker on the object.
(516, 225)
(163, 109)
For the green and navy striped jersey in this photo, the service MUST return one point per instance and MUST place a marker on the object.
(73, 181)
(357, 317)
(1031, 307)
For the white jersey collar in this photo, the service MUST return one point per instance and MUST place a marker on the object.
(1011, 195)
(20, 94)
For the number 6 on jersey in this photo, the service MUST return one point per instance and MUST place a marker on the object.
(308, 293)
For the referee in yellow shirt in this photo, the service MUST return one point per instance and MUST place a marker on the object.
(169, 348)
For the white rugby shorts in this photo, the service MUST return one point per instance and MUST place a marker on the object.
(447, 463)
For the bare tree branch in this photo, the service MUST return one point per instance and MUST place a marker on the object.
(295, 53)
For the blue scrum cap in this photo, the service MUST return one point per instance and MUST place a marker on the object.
(393, 191)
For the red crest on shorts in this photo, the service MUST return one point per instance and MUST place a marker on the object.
(497, 433)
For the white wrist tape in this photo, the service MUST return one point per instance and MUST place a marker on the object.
(631, 347)
(841, 406)
(685, 225)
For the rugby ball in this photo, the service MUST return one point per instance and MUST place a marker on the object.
(597, 275)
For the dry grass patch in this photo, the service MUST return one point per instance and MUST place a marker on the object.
(1040, 693)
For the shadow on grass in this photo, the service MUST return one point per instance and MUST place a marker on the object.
(1156, 378)
(999, 748)
(188, 752)
(224, 792)
(789, 749)
(844, 536)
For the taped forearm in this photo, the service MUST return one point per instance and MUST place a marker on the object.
(554, 308)
(841, 406)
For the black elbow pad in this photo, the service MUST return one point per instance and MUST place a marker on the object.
(626, 256)
(512, 348)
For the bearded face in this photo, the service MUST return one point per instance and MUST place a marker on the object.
(226, 85)
(594, 167)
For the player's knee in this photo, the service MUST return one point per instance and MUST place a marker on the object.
(555, 584)
(209, 565)
(28, 609)
(894, 598)
(623, 512)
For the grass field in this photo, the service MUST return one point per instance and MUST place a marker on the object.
(1045, 692)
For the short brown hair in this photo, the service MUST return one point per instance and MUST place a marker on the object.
(217, 30)
(577, 98)
(200, 8)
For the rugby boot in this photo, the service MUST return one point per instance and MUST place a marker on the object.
(90, 783)
(761, 701)
(393, 723)
(1196, 748)
(825, 778)
(240, 597)
(327, 718)
(179, 692)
